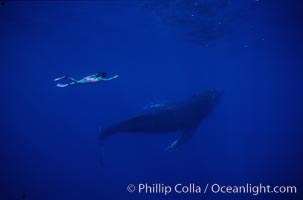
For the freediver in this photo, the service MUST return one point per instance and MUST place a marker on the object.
(95, 78)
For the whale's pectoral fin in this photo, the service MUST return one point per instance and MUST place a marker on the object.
(185, 135)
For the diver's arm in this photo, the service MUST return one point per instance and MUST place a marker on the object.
(108, 79)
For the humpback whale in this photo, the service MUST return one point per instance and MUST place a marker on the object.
(182, 116)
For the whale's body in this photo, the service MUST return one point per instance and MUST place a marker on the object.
(185, 115)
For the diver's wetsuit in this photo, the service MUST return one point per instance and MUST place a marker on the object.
(89, 79)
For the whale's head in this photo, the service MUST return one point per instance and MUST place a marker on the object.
(206, 101)
(214, 96)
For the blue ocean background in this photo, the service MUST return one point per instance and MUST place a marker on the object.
(162, 51)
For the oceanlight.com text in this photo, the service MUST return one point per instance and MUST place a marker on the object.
(215, 188)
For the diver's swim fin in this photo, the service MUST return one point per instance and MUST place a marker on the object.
(62, 85)
(62, 77)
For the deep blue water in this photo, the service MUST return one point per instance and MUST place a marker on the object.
(163, 51)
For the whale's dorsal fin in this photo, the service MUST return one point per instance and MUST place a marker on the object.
(185, 135)
(154, 105)
(157, 107)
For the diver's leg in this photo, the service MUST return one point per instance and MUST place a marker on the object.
(67, 77)
(72, 79)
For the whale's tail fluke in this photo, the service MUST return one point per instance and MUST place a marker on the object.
(101, 155)
(104, 134)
